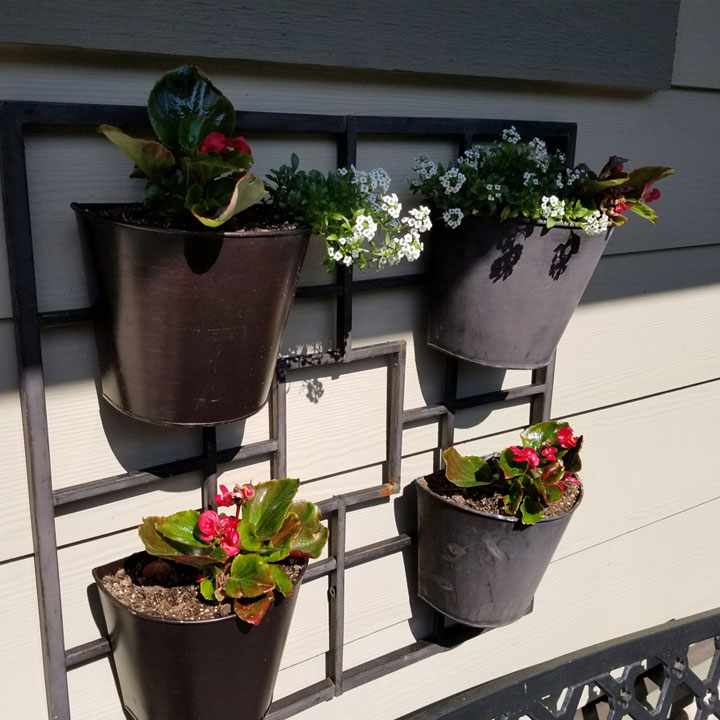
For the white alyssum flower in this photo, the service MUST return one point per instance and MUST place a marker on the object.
(425, 167)
(419, 219)
(471, 158)
(453, 217)
(574, 175)
(391, 205)
(342, 171)
(365, 227)
(552, 207)
(452, 180)
(596, 223)
(528, 178)
(347, 260)
(511, 135)
(559, 180)
(379, 180)
(338, 256)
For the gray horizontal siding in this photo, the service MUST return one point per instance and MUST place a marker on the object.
(609, 43)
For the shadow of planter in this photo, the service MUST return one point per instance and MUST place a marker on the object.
(189, 323)
(502, 293)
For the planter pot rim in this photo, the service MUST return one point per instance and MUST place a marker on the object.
(421, 482)
(100, 572)
(91, 210)
(524, 221)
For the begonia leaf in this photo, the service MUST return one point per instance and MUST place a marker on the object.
(194, 555)
(253, 612)
(572, 460)
(511, 468)
(181, 527)
(248, 537)
(151, 157)
(250, 576)
(466, 470)
(531, 510)
(267, 509)
(312, 537)
(187, 92)
(248, 191)
(513, 499)
(644, 211)
(279, 547)
(554, 493)
(544, 432)
(282, 581)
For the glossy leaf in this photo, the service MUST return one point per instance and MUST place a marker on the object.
(279, 547)
(531, 510)
(282, 581)
(572, 460)
(643, 177)
(248, 537)
(543, 432)
(250, 576)
(312, 537)
(513, 499)
(248, 191)
(187, 92)
(181, 527)
(511, 468)
(552, 473)
(194, 555)
(554, 493)
(466, 470)
(151, 157)
(253, 612)
(644, 211)
(266, 510)
(207, 589)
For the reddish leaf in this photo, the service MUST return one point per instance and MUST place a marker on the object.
(253, 612)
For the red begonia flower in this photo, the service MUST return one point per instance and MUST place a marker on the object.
(566, 439)
(214, 142)
(239, 145)
(224, 498)
(549, 453)
(247, 491)
(208, 525)
(570, 478)
(621, 207)
(527, 455)
(651, 195)
(618, 168)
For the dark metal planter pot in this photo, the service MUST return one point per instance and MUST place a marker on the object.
(189, 323)
(194, 670)
(502, 293)
(480, 569)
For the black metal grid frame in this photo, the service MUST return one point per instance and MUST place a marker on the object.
(29, 323)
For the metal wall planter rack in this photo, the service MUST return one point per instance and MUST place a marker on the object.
(45, 502)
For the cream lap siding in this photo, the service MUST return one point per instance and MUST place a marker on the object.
(638, 372)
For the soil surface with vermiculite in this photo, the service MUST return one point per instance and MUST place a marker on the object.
(173, 595)
(258, 218)
(491, 500)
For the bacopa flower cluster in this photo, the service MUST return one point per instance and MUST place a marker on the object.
(532, 475)
(515, 179)
(360, 219)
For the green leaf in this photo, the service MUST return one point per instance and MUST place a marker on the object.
(511, 468)
(248, 537)
(152, 158)
(181, 527)
(208, 167)
(571, 460)
(554, 493)
(543, 432)
(466, 471)
(531, 510)
(267, 509)
(552, 473)
(642, 177)
(282, 581)
(513, 499)
(593, 187)
(279, 547)
(313, 535)
(194, 555)
(207, 589)
(644, 211)
(250, 576)
(248, 191)
(253, 612)
(187, 92)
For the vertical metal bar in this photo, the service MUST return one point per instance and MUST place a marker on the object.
(541, 405)
(447, 422)
(346, 155)
(209, 486)
(278, 426)
(336, 595)
(466, 142)
(34, 412)
(396, 402)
